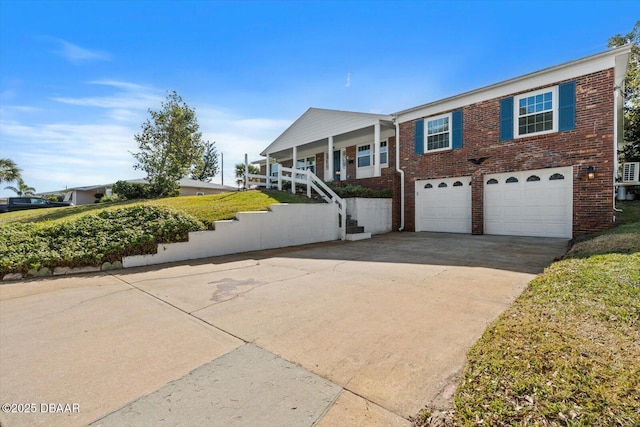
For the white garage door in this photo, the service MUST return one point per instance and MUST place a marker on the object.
(529, 203)
(444, 205)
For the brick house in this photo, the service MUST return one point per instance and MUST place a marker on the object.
(535, 155)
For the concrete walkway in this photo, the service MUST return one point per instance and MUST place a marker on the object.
(343, 333)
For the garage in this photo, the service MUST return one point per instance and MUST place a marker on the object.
(529, 203)
(444, 205)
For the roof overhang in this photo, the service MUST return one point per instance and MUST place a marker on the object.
(613, 58)
(316, 125)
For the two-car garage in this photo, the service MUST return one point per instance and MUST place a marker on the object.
(525, 203)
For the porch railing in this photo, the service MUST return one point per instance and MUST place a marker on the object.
(303, 178)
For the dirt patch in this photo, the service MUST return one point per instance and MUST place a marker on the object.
(619, 243)
(439, 412)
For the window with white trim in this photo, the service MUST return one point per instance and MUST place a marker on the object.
(438, 133)
(536, 112)
(364, 155)
(384, 158)
(307, 163)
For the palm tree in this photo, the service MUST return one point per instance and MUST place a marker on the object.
(9, 171)
(22, 189)
(240, 174)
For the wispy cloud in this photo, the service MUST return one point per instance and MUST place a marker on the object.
(94, 147)
(78, 55)
(126, 105)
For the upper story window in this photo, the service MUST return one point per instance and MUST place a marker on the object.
(384, 158)
(438, 133)
(536, 112)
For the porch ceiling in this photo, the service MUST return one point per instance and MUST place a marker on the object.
(321, 145)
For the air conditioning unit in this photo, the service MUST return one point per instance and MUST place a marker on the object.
(631, 172)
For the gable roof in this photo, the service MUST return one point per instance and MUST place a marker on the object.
(317, 124)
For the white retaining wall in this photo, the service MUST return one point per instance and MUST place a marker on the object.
(284, 225)
(372, 214)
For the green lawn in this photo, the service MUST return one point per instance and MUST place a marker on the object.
(206, 208)
(567, 352)
(37, 241)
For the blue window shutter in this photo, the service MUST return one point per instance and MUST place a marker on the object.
(456, 128)
(506, 119)
(419, 137)
(567, 106)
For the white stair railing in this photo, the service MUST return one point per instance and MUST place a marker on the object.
(306, 178)
(312, 182)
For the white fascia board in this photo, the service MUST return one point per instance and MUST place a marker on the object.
(542, 78)
(309, 128)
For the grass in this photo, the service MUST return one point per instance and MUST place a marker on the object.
(34, 241)
(567, 352)
(205, 208)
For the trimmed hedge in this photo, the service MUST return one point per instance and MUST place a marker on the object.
(350, 190)
(92, 239)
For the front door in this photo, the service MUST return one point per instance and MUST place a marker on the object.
(337, 164)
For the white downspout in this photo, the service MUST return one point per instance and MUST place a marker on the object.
(395, 120)
(616, 94)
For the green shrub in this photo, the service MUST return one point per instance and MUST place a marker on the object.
(129, 191)
(92, 239)
(350, 190)
(114, 198)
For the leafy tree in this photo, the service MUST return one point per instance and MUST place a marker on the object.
(240, 174)
(207, 167)
(22, 189)
(631, 152)
(130, 190)
(170, 144)
(9, 171)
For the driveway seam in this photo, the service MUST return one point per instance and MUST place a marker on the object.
(181, 310)
(367, 400)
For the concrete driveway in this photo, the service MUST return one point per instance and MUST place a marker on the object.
(343, 333)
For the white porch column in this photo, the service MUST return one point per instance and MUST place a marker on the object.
(268, 173)
(376, 149)
(329, 176)
(294, 167)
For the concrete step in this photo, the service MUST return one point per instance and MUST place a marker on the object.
(354, 229)
(357, 236)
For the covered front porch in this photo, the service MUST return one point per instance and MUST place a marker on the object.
(334, 145)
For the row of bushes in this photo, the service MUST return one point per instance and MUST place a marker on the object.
(123, 190)
(350, 190)
(92, 239)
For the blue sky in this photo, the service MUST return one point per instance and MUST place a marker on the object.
(77, 77)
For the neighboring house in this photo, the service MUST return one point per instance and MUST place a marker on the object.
(87, 195)
(533, 156)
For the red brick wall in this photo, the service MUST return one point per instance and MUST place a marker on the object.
(320, 165)
(589, 144)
